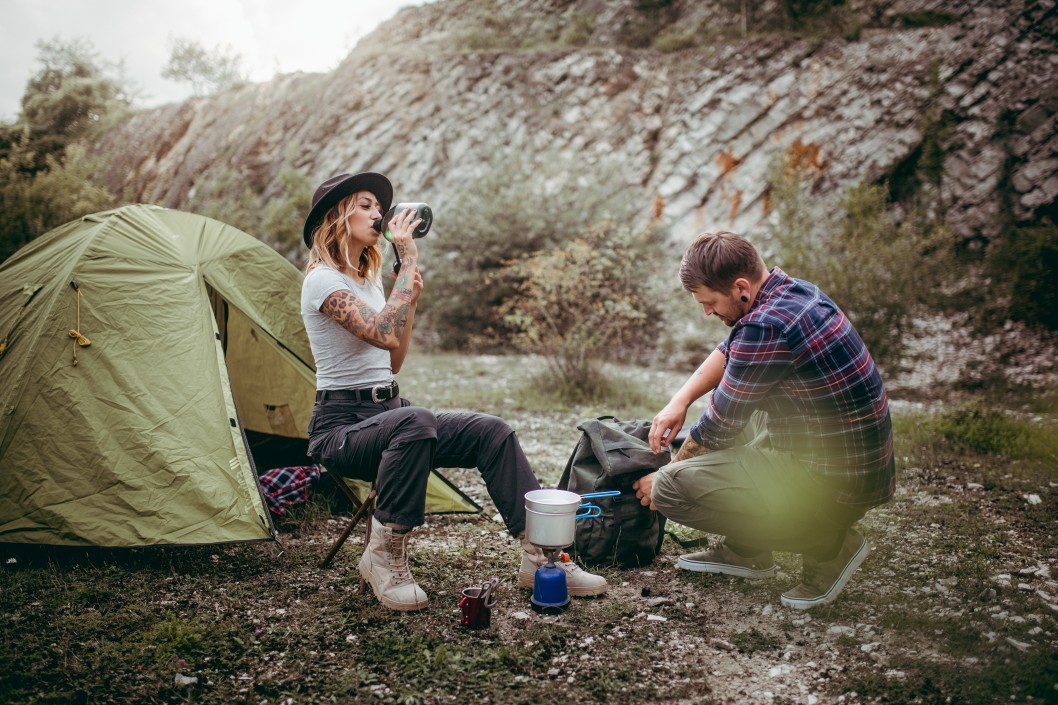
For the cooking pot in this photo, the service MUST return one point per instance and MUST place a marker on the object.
(550, 515)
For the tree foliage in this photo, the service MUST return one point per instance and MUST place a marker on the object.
(45, 175)
(527, 201)
(209, 71)
(33, 203)
(71, 95)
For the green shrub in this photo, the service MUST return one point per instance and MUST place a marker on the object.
(1024, 269)
(33, 202)
(222, 193)
(283, 215)
(584, 301)
(672, 42)
(530, 200)
(579, 32)
(687, 337)
(473, 40)
(878, 270)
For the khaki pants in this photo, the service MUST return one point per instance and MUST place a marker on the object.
(760, 499)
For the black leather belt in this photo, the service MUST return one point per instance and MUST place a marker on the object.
(375, 394)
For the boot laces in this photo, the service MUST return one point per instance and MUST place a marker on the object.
(396, 549)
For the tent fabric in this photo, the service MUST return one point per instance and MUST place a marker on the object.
(137, 438)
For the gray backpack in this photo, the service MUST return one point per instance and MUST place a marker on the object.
(611, 455)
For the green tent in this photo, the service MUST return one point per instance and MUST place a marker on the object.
(148, 359)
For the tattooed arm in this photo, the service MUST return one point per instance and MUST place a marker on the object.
(396, 357)
(383, 329)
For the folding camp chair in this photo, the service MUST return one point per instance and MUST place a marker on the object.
(362, 509)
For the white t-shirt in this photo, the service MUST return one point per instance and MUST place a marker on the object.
(343, 361)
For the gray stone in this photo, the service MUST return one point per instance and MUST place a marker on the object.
(700, 128)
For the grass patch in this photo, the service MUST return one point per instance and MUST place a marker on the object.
(976, 430)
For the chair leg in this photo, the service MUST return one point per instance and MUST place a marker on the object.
(366, 508)
(367, 534)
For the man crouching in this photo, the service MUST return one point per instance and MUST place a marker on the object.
(796, 442)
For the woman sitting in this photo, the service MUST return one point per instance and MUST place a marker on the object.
(360, 426)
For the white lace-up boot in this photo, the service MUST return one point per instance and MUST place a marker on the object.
(384, 566)
(579, 583)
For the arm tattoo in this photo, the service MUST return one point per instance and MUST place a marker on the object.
(402, 288)
(690, 449)
(353, 313)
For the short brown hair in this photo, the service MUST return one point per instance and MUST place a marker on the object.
(716, 260)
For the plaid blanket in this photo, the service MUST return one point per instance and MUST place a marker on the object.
(285, 487)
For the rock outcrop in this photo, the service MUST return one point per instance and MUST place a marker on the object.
(965, 106)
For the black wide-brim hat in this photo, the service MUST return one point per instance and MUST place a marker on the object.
(334, 189)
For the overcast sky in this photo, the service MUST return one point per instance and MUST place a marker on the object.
(273, 36)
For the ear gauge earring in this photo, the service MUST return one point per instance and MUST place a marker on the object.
(745, 299)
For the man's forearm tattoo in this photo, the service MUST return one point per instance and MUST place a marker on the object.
(690, 449)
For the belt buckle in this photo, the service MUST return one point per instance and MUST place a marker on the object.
(375, 394)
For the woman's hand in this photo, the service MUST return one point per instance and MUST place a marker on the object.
(400, 229)
(416, 285)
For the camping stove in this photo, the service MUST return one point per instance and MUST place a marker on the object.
(549, 584)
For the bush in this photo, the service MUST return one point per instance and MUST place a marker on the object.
(578, 34)
(671, 43)
(1024, 268)
(44, 173)
(283, 216)
(34, 202)
(222, 193)
(878, 270)
(530, 200)
(584, 301)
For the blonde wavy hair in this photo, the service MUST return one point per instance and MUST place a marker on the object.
(330, 243)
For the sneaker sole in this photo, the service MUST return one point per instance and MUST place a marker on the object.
(802, 603)
(528, 581)
(726, 569)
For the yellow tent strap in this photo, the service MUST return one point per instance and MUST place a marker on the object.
(75, 333)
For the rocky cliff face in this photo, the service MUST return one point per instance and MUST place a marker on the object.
(965, 105)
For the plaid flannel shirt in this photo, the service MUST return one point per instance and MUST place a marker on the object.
(283, 488)
(796, 356)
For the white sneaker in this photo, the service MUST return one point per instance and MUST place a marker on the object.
(384, 565)
(579, 583)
